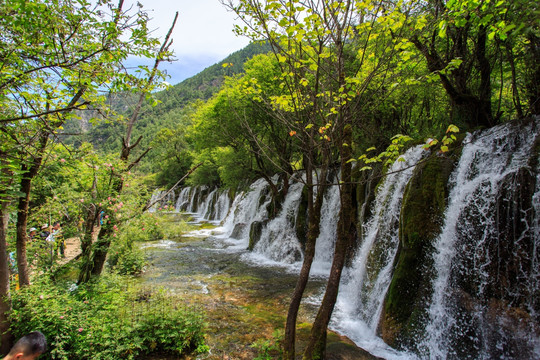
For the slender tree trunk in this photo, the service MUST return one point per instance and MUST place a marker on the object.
(314, 216)
(515, 89)
(346, 234)
(22, 209)
(533, 83)
(101, 248)
(22, 238)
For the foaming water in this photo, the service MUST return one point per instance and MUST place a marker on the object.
(278, 241)
(365, 283)
(324, 248)
(457, 322)
(462, 249)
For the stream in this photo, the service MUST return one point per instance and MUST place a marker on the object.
(243, 302)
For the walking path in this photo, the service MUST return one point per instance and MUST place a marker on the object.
(73, 249)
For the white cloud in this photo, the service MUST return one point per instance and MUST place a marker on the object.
(204, 27)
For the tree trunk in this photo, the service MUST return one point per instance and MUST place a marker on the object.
(101, 248)
(346, 234)
(533, 83)
(86, 244)
(22, 209)
(314, 216)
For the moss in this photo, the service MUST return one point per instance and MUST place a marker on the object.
(423, 207)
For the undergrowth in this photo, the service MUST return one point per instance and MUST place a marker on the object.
(112, 318)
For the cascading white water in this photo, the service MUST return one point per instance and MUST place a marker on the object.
(364, 285)
(462, 251)
(324, 248)
(211, 207)
(246, 208)
(489, 159)
(206, 203)
(166, 201)
(183, 199)
(278, 241)
(222, 206)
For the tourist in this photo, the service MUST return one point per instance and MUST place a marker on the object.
(29, 347)
(59, 238)
(32, 233)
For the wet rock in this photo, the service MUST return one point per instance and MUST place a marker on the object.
(255, 232)
(238, 231)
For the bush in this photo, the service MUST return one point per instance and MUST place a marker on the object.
(110, 319)
(125, 257)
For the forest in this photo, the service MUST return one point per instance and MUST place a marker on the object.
(325, 87)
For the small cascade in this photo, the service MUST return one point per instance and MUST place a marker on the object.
(324, 249)
(223, 203)
(278, 241)
(184, 199)
(364, 285)
(247, 207)
(483, 275)
(206, 205)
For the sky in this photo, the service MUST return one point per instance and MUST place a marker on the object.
(202, 36)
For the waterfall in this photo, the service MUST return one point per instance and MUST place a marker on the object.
(247, 207)
(213, 206)
(222, 206)
(364, 284)
(482, 276)
(460, 322)
(324, 248)
(166, 201)
(278, 241)
(183, 200)
(206, 205)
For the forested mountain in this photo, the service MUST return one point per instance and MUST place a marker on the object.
(164, 111)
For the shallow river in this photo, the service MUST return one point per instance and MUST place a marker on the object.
(243, 302)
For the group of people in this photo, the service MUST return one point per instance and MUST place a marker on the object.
(53, 236)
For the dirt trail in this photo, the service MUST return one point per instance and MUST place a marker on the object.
(73, 249)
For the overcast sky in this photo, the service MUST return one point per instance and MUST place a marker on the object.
(202, 36)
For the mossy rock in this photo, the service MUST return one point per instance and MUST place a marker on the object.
(422, 213)
(255, 232)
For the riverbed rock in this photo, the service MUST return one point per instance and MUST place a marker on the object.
(255, 233)
(238, 231)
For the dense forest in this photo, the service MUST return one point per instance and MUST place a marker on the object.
(325, 87)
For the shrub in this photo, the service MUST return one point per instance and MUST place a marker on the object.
(109, 319)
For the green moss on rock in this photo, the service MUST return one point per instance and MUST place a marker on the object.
(422, 210)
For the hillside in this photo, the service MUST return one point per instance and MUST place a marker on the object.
(104, 135)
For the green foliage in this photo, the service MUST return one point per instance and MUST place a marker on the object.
(125, 256)
(269, 349)
(109, 319)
